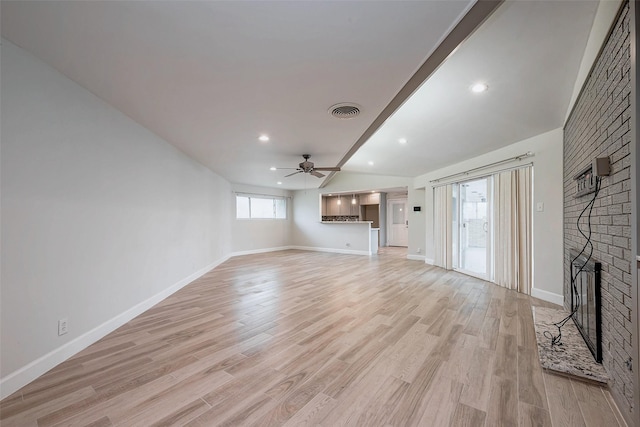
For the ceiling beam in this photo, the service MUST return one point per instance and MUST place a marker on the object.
(465, 28)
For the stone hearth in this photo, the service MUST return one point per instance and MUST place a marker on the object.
(572, 357)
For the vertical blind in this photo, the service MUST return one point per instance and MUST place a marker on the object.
(512, 225)
(443, 215)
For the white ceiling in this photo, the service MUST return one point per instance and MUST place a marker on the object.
(527, 52)
(210, 77)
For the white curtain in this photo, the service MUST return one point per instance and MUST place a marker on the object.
(512, 229)
(442, 219)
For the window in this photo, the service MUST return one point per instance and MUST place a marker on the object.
(260, 207)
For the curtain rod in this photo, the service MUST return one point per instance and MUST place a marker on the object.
(488, 174)
(520, 157)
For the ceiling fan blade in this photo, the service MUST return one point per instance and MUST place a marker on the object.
(286, 168)
(336, 169)
(293, 173)
(316, 174)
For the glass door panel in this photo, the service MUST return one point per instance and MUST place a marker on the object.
(474, 243)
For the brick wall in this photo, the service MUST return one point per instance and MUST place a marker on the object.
(599, 126)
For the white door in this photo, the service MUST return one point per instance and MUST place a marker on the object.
(397, 223)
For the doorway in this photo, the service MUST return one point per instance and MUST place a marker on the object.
(398, 224)
(472, 228)
(371, 213)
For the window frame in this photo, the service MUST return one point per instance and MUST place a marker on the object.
(275, 210)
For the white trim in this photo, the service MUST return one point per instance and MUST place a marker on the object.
(429, 261)
(301, 248)
(416, 257)
(23, 376)
(332, 250)
(261, 251)
(548, 296)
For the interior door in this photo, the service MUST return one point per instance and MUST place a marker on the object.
(398, 223)
(474, 228)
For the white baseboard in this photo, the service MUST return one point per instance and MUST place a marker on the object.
(23, 376)
(416, 257)
(548, 296)
(429, 261)
(336, 251)
(261, 251)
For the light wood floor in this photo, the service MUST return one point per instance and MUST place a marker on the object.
(302, 338)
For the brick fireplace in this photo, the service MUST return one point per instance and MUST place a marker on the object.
(599, 126)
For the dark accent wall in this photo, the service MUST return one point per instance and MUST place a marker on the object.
(599, 126)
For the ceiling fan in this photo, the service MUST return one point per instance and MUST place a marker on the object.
(310, 168)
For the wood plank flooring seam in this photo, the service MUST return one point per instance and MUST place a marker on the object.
(301, 338)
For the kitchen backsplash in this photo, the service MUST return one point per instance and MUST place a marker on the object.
(340, 218)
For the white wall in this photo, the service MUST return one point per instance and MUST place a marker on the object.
(350, 181)
(100, 218)
(417, 224)
(547, 189)
(260, 235)
(310, 233)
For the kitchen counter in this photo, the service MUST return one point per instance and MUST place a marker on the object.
(346, 222)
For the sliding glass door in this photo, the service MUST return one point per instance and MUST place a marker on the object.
(472, 228)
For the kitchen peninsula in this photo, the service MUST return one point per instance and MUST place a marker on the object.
(351, 207)
(354, 209)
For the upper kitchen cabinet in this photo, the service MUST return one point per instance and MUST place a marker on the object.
(340, 205)
(370, 199)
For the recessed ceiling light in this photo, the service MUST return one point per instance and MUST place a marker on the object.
(373, 191)
(272, 168)
(402, 140)
(279, 182)
(370, 162)
(263, 138)
(479, 88)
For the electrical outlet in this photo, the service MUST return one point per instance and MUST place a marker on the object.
(348, 245)
(63, 326)
(418, 250)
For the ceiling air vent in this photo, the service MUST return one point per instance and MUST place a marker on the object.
(345, 110)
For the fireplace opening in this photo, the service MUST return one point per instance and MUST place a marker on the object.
(586, 301)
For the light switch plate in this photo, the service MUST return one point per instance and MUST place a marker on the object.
(540, 207)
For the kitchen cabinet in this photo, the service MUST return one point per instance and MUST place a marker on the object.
(349, 208)
(326, 205)
(334, 207)
(370, 199)
(345, 208)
